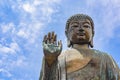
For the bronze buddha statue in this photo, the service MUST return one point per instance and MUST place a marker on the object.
(79, 62)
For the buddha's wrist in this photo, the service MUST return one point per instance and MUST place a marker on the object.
(50, 60)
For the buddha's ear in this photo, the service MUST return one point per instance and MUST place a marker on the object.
(91, 43)
(68, 43)
(66, 33)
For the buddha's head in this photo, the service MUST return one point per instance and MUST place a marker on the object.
(79, 30)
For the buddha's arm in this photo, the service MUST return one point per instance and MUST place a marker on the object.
(49, 72)
(119, 74)
(112, 69)
(42, 71)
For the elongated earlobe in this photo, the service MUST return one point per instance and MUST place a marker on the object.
(91, 43)
(68, 43)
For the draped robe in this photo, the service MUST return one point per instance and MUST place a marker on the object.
(81, 64)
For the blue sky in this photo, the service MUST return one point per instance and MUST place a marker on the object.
(23, 23)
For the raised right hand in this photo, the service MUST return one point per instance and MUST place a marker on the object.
(51, 48)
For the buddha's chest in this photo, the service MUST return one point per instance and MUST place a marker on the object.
(87, 73)
(79, 67)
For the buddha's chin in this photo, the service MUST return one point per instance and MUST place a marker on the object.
(81, 41)
(81, 37)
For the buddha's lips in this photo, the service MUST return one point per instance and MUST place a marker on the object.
(81, 34)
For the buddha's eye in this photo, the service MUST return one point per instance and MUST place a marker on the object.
(75, 26)
(86, 26)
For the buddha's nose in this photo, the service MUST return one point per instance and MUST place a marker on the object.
(81, 29)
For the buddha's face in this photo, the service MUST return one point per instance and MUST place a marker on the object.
(80, 32)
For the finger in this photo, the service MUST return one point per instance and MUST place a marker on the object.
(49, 38)
(55, 39)
(52, 37)
(43, 44)
(52, 34)
(60, 43)
(45, 39)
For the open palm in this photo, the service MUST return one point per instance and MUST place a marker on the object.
(50, 45)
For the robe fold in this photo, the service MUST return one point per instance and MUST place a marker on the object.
(81, 64)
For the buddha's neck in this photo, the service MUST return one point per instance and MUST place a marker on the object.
(83, 46)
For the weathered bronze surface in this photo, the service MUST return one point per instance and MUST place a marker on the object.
(79, 62)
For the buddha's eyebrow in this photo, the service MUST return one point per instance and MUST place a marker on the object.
(86, 22)
(74, 22)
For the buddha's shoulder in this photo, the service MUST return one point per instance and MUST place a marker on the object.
(100, 52)
(72, 52)
(68, 52)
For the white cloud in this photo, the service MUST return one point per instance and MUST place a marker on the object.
(20, 38)
(20, 62)
(103, 2)
(12, 48)
(28, 8)
(38, 2)
(4, 49)
(40, 14)
(22, 33)
(107, 18)
(7, 27)
(5, 73)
